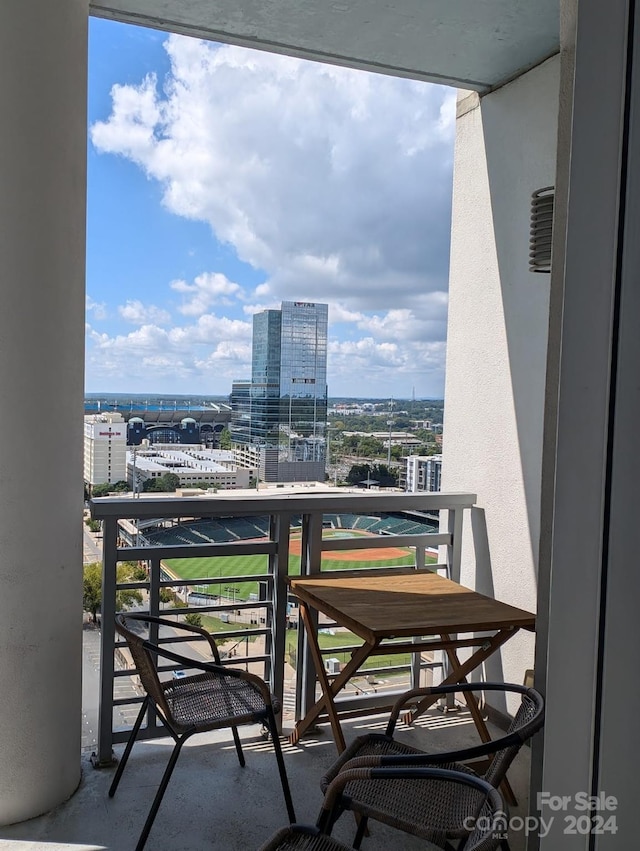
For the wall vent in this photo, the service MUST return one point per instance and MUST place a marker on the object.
(541, 235)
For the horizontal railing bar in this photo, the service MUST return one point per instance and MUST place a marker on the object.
(259, 504)
(424, 646)
(407, 646)
(382, 699)
(214, 580)
(235, 661)
(362, 542)
(167, 551)
(224, 580)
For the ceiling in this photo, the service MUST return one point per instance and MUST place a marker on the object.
(471, 44)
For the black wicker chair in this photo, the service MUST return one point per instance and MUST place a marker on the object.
(215, 698)
(413, 810)
(481, 823)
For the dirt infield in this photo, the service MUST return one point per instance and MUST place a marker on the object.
(377, 554)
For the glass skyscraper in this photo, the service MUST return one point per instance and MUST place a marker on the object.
(283, 410)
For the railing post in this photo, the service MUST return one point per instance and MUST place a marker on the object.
(104, 756)
(453, 562)
(454, 549)
(154, 631)
(311, 562)
(279, 530)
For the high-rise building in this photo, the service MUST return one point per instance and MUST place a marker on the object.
(282, 411)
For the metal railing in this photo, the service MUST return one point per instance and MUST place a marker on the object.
(267, 611)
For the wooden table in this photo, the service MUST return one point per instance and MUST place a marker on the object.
(402, 603)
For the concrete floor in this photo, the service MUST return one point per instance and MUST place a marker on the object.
(212, 803)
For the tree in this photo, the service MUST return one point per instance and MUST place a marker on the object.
(169, 481)
(370, 447)
(193, 619)
(101, 490)
(379, 473)
(92, 588)
(384, 475)
(135, 571)
(166, 483)
(358, 473)
(224, 440)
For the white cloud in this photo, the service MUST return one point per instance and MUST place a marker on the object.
(208, 289)
(335, 182)
(211, 352)
(97, 309)
(392, 369)
(136, 312)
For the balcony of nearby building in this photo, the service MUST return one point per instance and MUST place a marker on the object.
(182, 544)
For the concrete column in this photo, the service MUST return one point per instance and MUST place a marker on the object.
(43, 80)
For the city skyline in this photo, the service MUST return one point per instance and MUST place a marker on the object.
(223, 181)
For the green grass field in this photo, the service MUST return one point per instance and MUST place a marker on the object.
(220, 567)
(326, 640)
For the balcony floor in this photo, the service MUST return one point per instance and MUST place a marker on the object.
(212, 803)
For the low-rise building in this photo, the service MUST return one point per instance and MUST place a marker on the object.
(194, 465)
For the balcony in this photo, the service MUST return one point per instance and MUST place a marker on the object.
(254, 622)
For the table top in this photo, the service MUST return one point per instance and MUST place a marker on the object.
(405, 602)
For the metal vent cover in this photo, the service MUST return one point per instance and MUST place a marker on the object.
(541, 234)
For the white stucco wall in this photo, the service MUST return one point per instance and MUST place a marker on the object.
(497, 341)
(43, 93)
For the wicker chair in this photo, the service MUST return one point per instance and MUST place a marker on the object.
(218, 697)
(482, 824)
(415, 809)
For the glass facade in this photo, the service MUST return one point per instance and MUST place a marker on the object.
(303, 380)
(265, 378)
(284, 406)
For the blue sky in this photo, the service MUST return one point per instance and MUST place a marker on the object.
(222, 181)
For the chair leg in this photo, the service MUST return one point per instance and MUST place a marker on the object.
(160, 793)
(360, 832)
(281, 766)
(129, 745)
(236, 739)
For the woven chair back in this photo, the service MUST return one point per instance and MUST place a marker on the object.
(144, 662)
(528, 720)
(490, 825)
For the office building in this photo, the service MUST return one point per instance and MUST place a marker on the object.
(282, 411)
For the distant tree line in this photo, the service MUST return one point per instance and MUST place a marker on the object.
(166, 483)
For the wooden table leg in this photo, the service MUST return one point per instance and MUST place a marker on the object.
(481, 727)
(459, 675)
(329, 689)
(464, 668)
